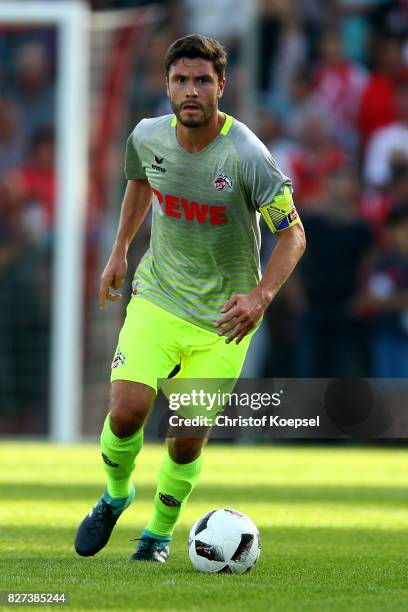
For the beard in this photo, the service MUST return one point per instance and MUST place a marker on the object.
(202, 116)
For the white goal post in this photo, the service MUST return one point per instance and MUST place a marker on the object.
(72, 22)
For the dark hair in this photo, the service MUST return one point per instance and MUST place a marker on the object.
(194, 46)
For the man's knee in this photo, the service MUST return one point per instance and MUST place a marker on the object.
(129, 407)
(185, 450)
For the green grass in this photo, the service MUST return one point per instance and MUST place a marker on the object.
(334, 527)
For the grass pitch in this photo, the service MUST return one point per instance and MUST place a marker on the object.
(333, 522)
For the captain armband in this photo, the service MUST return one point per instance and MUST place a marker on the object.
(281, 213)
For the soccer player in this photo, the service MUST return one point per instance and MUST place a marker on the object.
(198, 296)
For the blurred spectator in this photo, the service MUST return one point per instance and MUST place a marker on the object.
(12, 242)
(330, 339)
(149, 94)
(338, 86)
(272, 133)
(290, 53)
(302, 102)
(23, 361)
(282, 48)
(12, 230)
(12, 149)
(38, 181)
(378, 104)
(314, 15)
(34, 88)
(399, 187)
(279, 355)
(224, 20)
(390, 18)
(173, 10)
(353, 16)
(386, 300)
(388, 145)
(315, 158)
(376, 205)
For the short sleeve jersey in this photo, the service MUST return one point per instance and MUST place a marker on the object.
(205, 236)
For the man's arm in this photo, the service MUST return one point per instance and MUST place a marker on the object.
(136, 203)
(244, 311)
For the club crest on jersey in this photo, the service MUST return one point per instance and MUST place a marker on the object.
(221, 182)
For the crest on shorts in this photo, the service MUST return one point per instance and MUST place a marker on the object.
(222, 182)
(119, 359)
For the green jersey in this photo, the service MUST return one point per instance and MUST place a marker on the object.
(205, 236)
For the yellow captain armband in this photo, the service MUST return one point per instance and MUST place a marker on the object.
(281, 213)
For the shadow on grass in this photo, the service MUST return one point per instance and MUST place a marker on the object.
(319, 559)
(297, 564)
(45, 543)
(225, 494)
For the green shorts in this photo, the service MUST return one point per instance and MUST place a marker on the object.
(152, 342)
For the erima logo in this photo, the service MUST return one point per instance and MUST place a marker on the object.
(119, 359)
(109, 461)
(157, 166)
(169, 500)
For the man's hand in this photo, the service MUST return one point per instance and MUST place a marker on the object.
(112, 278)
(242, 314)
(136, 203)
(244, 311)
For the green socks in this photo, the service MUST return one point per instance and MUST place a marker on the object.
(119, 456)
(176, 481)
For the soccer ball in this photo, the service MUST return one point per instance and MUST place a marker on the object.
(224, 541)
